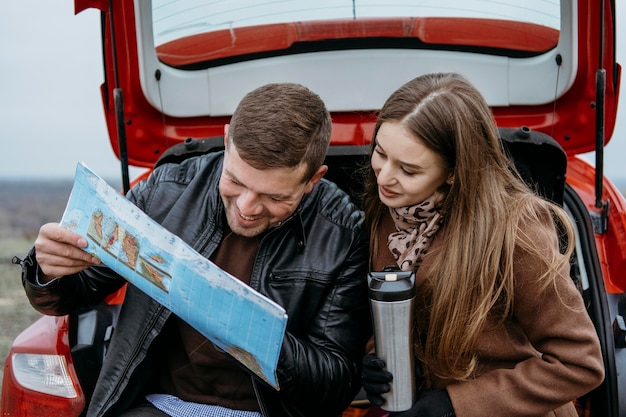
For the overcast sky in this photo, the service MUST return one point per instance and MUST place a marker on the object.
(50, 111)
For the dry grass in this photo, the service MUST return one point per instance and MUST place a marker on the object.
(16, 314)
(24, 206)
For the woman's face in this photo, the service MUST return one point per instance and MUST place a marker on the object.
(407, 172)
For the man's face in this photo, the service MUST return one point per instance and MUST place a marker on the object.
(258, 199)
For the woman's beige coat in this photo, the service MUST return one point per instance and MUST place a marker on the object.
(541, 359)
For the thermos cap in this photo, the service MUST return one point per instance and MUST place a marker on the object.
(391, 286)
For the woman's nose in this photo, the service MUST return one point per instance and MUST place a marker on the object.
(385, 175)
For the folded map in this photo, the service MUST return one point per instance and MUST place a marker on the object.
(236, 318)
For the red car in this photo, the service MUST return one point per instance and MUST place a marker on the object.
(174, 72)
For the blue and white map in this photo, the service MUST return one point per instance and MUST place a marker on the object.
(244, 323)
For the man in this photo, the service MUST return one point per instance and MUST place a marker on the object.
(261, 211)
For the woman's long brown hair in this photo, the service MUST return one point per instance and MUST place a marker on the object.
(472, 275)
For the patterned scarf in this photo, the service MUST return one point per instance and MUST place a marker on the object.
(416, 227)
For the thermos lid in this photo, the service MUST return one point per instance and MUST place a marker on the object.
(391, 286)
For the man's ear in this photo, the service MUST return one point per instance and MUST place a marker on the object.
(316, 177)
(226, 126)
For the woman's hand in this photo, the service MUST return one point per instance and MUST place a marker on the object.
(375, 379)
(435, 403)
(376, 382)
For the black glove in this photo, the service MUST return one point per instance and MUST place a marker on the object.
(435, 403)
(375, 379)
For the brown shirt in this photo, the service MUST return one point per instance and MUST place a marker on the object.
(196, 370)
(537, 362)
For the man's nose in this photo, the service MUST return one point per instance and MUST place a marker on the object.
(249, 203)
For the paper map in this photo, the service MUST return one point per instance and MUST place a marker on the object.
(236, 318)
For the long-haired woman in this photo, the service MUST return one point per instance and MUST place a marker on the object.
(500, 327)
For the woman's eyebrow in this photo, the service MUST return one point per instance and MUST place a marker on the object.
(400, 161)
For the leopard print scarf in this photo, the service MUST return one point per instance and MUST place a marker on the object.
(416, 225)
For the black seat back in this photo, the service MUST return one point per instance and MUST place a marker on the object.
(540, 160)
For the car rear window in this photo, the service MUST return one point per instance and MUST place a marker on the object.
(193, 33)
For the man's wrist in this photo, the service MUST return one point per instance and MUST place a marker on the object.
(41, 280)
(32, 273)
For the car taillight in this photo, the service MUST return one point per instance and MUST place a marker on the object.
(39, 377)
(39, 385)
(43, 373)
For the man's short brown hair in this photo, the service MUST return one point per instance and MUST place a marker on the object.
(281, 125)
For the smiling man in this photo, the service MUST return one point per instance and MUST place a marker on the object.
(261, 211)
(253, 206)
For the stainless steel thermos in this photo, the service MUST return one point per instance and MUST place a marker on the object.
(392, 296)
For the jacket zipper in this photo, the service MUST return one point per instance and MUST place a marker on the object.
(259, 398)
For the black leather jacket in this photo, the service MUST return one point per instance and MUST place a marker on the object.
(313, 264)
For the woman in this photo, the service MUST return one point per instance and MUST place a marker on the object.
(500, 328)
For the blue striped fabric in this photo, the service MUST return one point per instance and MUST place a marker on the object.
(176, 407)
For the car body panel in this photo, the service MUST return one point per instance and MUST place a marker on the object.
(581, 176)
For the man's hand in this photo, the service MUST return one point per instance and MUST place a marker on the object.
(60, 252)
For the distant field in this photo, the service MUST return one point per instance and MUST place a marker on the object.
(15, 312)
(24, 207)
